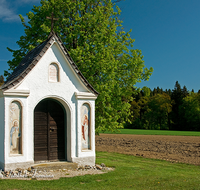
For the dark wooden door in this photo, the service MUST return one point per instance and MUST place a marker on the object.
(49, 132)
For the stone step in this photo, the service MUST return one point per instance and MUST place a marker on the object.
(55, 166)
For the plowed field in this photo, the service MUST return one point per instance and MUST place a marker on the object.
(185, 149)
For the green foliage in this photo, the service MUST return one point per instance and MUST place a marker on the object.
(160, 106)
(135, 111)
(1, 80)
(190, 109)
(177, 116)
(175, 109)
(146, 91)
(151, 112)
(95, 39)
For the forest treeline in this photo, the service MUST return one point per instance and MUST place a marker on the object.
(176, 109)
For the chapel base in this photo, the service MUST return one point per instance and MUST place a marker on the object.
(13, 166)
(82, 161)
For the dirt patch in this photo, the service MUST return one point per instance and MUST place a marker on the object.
(185, 149)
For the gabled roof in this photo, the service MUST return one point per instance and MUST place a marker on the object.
(33, 57)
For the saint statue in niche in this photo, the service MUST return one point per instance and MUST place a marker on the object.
(15, 128)
(15, 134)
(85, 127)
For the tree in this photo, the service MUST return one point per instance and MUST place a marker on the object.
(154, 91)
(1, 80)
(185, 91)
(177, 97)
(134, 116)
(143, 108)
(191, 111)
(160, 106)
(159, 90)
(103, 51)
(146, 91)
(177, 115)
(169, 92)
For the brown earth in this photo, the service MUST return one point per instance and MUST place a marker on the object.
(185, 149)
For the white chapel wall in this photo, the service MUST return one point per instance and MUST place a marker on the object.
(63, 90)
(37, 81)
(23, 157)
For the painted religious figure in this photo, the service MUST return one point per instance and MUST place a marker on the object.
(85, 127)
(15, 128)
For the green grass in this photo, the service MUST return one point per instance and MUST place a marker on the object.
(155, 132)
(130, 173)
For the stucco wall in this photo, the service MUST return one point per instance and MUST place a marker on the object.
(64, 91)
(86, 153)
(26, 133)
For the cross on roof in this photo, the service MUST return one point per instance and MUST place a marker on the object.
(52, 19)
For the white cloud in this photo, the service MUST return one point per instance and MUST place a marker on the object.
(8, 9)
(6, 13)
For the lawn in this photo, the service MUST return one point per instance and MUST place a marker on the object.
(155, 132)
(130, 173)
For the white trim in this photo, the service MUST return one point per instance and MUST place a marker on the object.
(13, 92)
(85, 95)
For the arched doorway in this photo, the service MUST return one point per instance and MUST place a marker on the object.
(49, 131)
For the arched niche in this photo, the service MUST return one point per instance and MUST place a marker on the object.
(15, 128)
(85, 127)
(53, 72)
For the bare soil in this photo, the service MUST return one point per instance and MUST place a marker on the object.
(185, 149)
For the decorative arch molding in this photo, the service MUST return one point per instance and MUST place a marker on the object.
(54, 72)
(15, 127)
(64, 103)
(68, 109)
(87, 102)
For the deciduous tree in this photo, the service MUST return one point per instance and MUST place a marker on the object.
(103, 51)
(190, 109)
(1, 80)
(160, 106)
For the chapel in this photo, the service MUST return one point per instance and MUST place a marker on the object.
(47, 110)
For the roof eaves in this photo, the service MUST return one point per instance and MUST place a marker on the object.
(23, 74)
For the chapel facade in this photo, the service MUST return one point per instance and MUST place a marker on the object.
(47, 110)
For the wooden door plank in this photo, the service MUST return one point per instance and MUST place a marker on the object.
(49, 145)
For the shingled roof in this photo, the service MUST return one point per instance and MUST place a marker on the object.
(33, 57)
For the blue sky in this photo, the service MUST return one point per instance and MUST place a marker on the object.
(167, 32)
